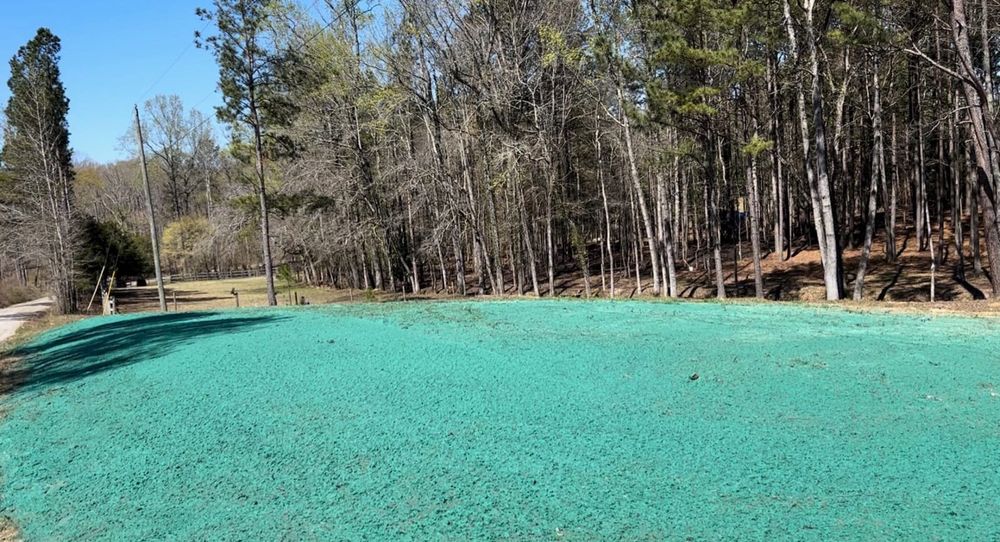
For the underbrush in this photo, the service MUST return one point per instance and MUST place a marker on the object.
(12, 293)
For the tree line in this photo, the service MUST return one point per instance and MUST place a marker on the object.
(504, 146)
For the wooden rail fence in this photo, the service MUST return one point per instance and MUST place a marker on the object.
(213, 275)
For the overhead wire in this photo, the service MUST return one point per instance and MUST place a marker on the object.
(208, 118)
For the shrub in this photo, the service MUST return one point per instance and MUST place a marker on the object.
(13, 292)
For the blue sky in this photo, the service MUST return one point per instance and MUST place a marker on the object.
(113, 52)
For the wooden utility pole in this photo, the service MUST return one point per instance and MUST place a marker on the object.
(152, 215)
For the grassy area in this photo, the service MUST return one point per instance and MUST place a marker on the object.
(543, 420)
(217, 294)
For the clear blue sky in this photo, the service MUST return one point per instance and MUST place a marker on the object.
(113, 51)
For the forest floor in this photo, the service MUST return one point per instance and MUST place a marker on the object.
(477, 420)
(799, 277)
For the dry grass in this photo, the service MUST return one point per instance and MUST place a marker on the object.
(8, 531)
(217, 294)
(12, 293)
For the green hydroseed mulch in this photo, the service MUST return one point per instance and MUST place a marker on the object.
(536, 420)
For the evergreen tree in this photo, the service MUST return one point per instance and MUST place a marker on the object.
(251, 76)
(694, 73)
(38, 163)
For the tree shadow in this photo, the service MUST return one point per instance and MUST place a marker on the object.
(798, 250)
(694, 284)
(564, 284)
(793, 279)
(25, 311)
(892, 282)
(976, 293)
(112, 345)
(774, 294)
(906, 241)
(19, 316)
(136, 298)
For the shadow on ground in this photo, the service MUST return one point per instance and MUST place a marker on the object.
(104, 347)
(906, 280)
(136, 299)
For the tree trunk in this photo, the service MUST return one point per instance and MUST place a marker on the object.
(818, 181)
(877, 174)
(265, 221)
(633, 171)
(979, 127)
(831, 254)
(714, 233)
(753, 191)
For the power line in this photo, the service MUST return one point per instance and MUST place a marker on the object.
(204, 27)
(166, 71)
(172, 65)
(208, 118)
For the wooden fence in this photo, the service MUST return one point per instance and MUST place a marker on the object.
(213, 275)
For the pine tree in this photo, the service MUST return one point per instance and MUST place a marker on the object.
(251, 76)
(38, 163)
(692, 66)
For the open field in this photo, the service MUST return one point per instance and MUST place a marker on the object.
(540, 420)
(217, 294)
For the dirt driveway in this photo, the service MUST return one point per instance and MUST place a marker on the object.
(13, 316)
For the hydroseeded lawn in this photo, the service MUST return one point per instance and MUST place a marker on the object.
(532, 420)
